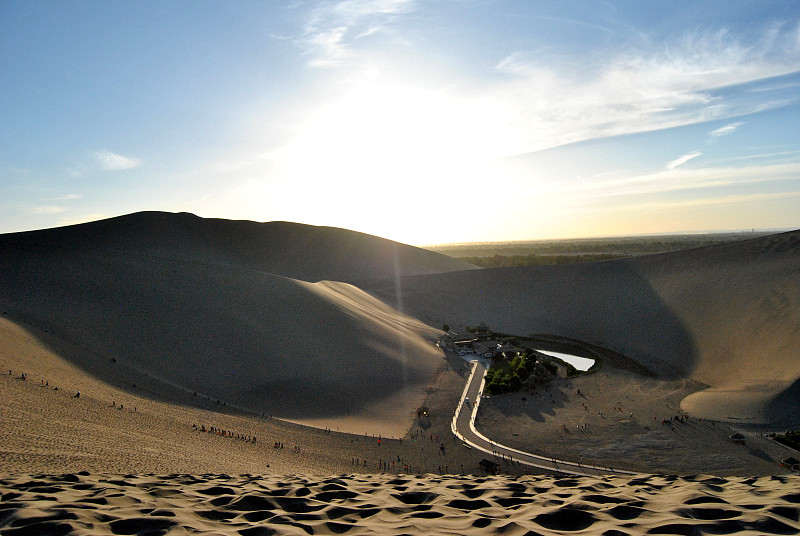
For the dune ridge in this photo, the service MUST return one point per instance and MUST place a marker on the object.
(299, 251)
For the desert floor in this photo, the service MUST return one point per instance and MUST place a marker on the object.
(117, 462)
(616, 418)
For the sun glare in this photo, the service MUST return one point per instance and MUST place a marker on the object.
(393, 155)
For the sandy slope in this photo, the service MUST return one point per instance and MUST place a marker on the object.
(45, 428)
(247, 339)
(84, 466)
(727, 316)
(185, 308)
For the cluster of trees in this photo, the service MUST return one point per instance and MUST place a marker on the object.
(525, 370)
(509, 376)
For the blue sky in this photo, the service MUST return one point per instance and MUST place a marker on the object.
(423, 122)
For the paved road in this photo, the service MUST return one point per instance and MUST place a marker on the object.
(463, 426)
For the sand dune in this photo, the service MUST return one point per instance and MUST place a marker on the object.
(46, 429)
(172, 318)
(179, 333)
(726, 316)
(248, 339)
(184, 308)
(109, 429)
(77, 503)
(305, 252)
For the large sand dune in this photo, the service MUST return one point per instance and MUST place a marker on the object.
(185, 308)
(177, 307)
(727, 316)
(306, 252)
(216, 335)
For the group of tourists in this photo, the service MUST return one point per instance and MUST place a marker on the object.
(224, 433)
(675, 418)
(279, 446)
(23, 376)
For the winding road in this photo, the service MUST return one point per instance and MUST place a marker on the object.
(463, 426)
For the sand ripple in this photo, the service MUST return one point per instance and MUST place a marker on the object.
(249, 505)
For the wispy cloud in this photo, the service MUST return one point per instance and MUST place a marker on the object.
(52, 205)
(66, 197)
(114, 162)
(682, 160)
(727, 129)
(328, 46)
(47, 209)
(556, 102)
(687, 179)
(333, 28)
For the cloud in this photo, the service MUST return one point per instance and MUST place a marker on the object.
(328, 47)
(47, 209)
(699, 77)
(53, 208)
(727, 129)
(685, 179)
(682, 160)
(114, 162)
(67, 197)
(333, 28)
(355, 10)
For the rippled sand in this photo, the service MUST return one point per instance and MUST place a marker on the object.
(247, 505)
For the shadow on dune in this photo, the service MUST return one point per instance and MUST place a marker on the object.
(183, 320)
(608, 304)
(783, 410)
(726, 316)
(257, 341)
(206, 310)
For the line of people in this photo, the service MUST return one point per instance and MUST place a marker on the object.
(23, 376)
(224, 433)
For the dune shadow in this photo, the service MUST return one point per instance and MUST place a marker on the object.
(608, 304)
(784, 409)
(758, 453)
(538, 405)
(219, 337)
(196, 318)
(707, 314)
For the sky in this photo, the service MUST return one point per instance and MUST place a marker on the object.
(420, 121)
